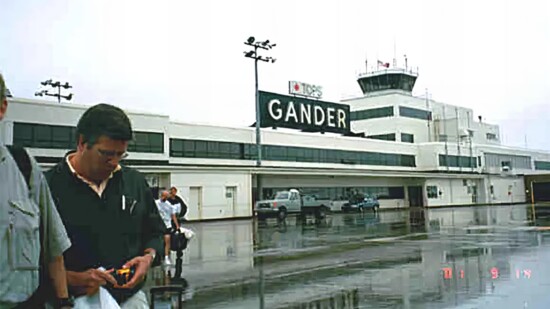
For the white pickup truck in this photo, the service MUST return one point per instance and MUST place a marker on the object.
(291, 202)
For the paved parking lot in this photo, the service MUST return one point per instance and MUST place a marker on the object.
(467, 257)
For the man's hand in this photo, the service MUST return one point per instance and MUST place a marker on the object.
(142, 265)
(88, 282)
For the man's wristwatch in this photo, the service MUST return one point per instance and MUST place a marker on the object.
(65, 303)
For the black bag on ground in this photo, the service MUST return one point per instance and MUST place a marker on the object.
(178, 241)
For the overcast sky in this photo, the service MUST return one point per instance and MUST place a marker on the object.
(185, 58)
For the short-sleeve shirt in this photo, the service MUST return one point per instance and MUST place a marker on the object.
(166, 210)
(21, 214)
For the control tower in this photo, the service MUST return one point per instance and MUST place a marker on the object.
(394, 78)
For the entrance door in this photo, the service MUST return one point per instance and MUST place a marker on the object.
(195, 202)
(231, 200)
(474, 194)
(416, 198)
(541, 191)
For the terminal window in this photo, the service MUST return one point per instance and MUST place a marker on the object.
(432, 191)
(491, 136)
(407, 138)
(147, 142)
(44, 136)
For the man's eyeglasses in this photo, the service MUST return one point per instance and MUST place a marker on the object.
(113, 154)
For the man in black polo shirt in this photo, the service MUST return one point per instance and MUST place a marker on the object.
(175, 199)
(108, 209)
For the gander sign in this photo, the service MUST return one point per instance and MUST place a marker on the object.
(277, 110)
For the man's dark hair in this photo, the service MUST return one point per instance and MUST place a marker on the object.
(174, 188)
(104, 119)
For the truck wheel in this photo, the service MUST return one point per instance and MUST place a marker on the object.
(282, 214)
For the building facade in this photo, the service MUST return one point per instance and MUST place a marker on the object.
(407, 151)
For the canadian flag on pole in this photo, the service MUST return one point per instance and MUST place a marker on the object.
(384, 64)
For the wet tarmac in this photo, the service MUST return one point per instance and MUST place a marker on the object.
(462, 257)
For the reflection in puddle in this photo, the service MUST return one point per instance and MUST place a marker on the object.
(490, 257)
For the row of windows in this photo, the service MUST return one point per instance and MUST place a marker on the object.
(226, 150)
(206, 149)
(383, 137)
(387, 81)
(456, 161)
(542, 165)
(414, 113)
(147, 142)
(44, 136)
(344, 193)
(372, 113)
(64, 137)
(512, 161)
(388, 112)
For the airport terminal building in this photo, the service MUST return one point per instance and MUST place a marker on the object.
(406, 150)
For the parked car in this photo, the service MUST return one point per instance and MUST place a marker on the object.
(291, 201)
(361, 205)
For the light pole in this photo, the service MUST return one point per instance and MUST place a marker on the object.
(253, 54)
(58, 85)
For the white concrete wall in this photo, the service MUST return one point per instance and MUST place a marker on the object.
(453, 192)
(44, 112)
(507, 189)
(428, 156)
(444, 115)
(213, 184)
(480, 133)
(211, 133)
(397, 125)
(68, 114)
(373, 101)
(515, 151)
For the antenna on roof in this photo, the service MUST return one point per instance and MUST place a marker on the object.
(394, 53)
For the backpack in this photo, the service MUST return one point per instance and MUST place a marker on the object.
(39, 297)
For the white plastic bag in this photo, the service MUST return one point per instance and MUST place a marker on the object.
(187, 232)
(100, 300)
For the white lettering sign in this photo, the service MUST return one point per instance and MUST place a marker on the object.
(330, 118)
(301, 113)
(279, 111)
(291, 112)
(319, 115)
(341, 118)
(305, 113)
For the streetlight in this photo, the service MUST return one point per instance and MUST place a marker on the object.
(58, 85)
(253, 54)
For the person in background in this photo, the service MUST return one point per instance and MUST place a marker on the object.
(176, 199)
(168, 214)
(32, 229)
